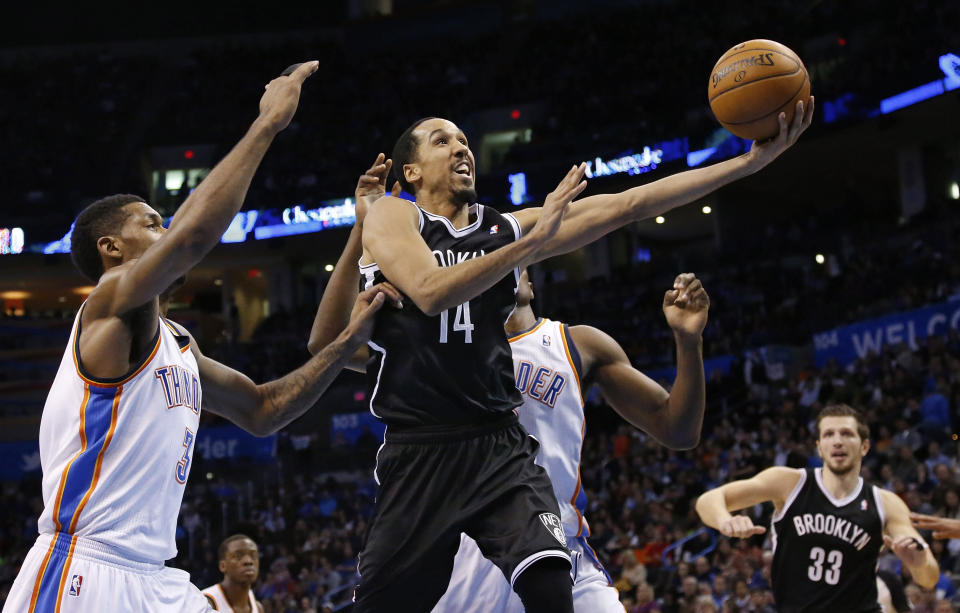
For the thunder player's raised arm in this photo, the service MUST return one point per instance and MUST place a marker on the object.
(135, 264)
(673, 418)
(590, 218)
(440, 160)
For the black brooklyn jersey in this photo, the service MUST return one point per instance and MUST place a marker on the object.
(455, 367)
(825, 550)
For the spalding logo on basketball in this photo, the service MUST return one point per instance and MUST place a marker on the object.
(752, 83)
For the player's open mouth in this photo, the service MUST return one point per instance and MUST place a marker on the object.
(463, 168)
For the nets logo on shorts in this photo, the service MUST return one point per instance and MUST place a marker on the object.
(75, 583)
(552, 523)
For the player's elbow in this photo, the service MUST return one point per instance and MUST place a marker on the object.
(683, 442)
(314, 346)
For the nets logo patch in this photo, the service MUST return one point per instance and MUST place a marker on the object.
(553, 525)
(75, 582)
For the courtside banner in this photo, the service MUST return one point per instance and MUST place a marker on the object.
(224, 442)
(847, 343)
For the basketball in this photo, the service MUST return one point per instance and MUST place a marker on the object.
(752, 83)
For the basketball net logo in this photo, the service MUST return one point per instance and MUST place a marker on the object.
(553, 525)
(75, 583)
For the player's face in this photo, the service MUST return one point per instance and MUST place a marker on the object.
(524, 290)
(242, 561)
(141, 229)
(445, 163)
(840, 445)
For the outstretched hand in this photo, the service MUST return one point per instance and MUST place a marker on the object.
(686, 305)
(282, 95)
(942, 527)
(363, 316)
(372, 185)
(762, 153)
(557, 203)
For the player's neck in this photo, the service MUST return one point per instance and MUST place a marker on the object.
(841, 486)
(236, 592)
(442, 204)
(522, 319)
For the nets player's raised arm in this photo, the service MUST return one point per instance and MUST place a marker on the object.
(333, 313)
(673, 418)
(264, 409)
(595, 216)
(771, 485)
(904, 541)
(391, 239)
(204, 216)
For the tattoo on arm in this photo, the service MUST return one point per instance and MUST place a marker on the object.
(289, 397)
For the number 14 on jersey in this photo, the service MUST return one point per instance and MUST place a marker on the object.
(461, 323)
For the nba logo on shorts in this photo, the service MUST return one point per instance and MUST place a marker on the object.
(75, 585)
(552, 523)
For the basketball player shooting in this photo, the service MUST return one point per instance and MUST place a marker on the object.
(828, 525)
(554, 364)
(118, 427)
(441, 370)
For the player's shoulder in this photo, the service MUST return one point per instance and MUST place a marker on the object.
(100, 301)
(392, 206)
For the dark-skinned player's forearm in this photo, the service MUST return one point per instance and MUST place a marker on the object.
(289, 397)
(687, 401)
(333, 314)
(207, 212)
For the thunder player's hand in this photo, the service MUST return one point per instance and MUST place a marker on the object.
(686, 305)
(557, 203)
(372, 185)
(741, 527)
(363, 317)
(763, 153)
(942, 527)
(911, 550)
(280, 101)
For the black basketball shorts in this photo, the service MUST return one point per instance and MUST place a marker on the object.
(434, 485)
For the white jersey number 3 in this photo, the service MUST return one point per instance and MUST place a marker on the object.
(461, 323)
(834, 560)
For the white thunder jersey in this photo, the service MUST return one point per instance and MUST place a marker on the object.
(116, 453)
(220, 598)
(547, 368)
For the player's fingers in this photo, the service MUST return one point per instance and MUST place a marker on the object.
(798, 116)
(683, 279)
(396, 298)
(387, 165)
(690, 288)
(304, 70)
(700, 298)
(396, 189)
(670, 296)
(758, 530)
(808, 114)
(375, 305)
(784, 130)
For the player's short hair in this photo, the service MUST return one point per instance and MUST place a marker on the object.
(844, 410)
(99, 219)
(405, 151)
(222, 550)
